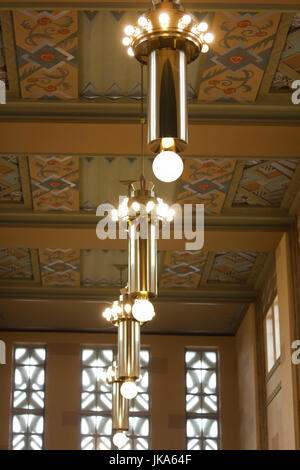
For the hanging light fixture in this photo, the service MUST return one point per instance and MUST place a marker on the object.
(120, 407)
(166, 38)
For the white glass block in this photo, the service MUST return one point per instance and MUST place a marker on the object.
(209, 404)
(104, 443)
(193, 444)
(139, 426)
(35, 442)
(193, 404)
(18, 442)
(209, 381)
(145, 358)
(140, 403)
(88, 443)
(193, 359)
(141, 443)
(210, 444)
(209, 360)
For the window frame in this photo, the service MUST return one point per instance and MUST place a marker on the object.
(273, 338)
(193, 415)
(132, 437)
(19, 411)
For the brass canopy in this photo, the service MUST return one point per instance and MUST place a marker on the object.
(154, 36)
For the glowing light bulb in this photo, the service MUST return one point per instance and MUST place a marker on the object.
(164, 20)
(143, 310)
(167, 142)
(130, 51)
(129, 389)
(142, 21)
(120, 439)
(202, 27)
(150, 206)
(205, 48)
(135, 206)
(208, 37)
(129, 30)
(127, 308)
(126, 41)
(167, 166)
(186, 19)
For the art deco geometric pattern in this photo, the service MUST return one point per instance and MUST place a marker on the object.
(10, 179)
(206, 181)
(289, 66)
(202, 400)
(96, 397)
(239, 55)
(15, 263)
(54, 183)
(47, 53)
(264, 183)
(232, 267)
(60, 267)
(28, 398)
(183, 269)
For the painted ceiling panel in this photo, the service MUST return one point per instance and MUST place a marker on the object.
(15, 263)
(47, 53)
(264, 183)
(54, 183)
(183, 269)
(60, 267)
(232, 267)
(289, 66)
(10, 179)
(238, 57)
(101, 180)
(206, 181)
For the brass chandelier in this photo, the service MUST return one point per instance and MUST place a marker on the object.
(166, 39)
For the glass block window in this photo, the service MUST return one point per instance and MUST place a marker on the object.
(28, 398)
(202, 400)
(96, 399)
(272, 334)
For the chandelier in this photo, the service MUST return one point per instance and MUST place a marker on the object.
(166, 39)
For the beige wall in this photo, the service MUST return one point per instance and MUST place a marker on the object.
(247, 382)
(288, 426)
(167, 387)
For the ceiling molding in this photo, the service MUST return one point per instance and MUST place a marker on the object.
(209, 292)
(195, 5)
(276, 108)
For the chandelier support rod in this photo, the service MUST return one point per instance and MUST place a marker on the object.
(142, 120)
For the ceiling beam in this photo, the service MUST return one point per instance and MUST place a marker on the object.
(240, 5)
(258, 240)
(207, 293)
(206, 139)
(272, 108)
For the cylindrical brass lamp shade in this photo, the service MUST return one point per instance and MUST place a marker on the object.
(167, 98)
(129, 350)
(120, 408)
(142, 261)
